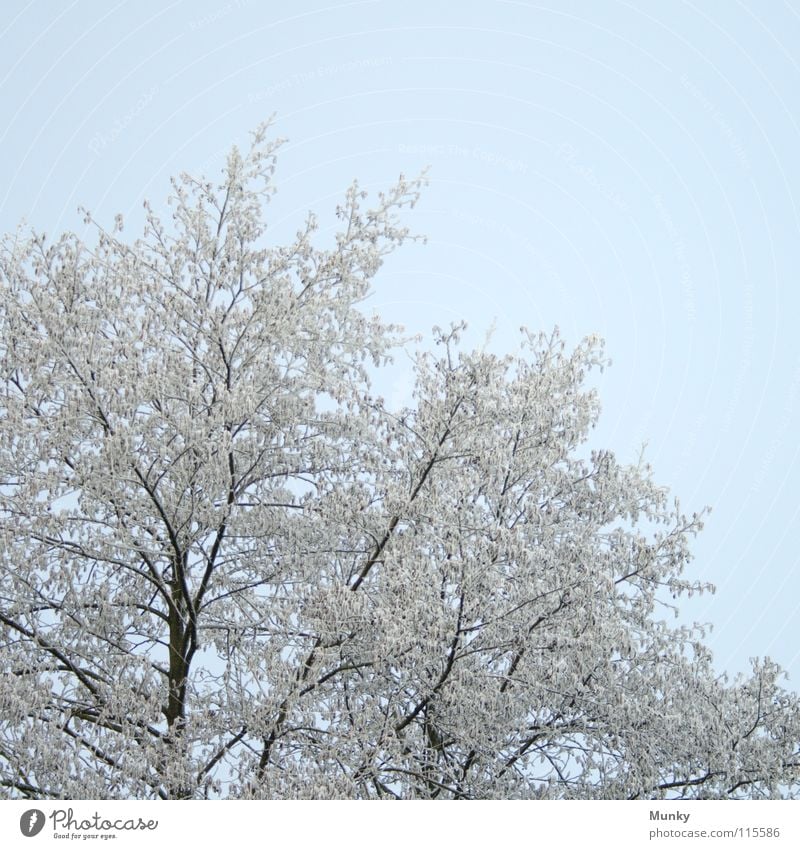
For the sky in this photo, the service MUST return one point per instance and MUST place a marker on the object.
(626, 169)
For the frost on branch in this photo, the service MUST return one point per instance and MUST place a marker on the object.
(228, 570)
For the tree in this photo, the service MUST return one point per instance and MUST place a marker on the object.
(228, 569)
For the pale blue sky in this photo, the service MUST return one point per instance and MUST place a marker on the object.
(623, 168)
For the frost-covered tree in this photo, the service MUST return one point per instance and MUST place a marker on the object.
(228, 569)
